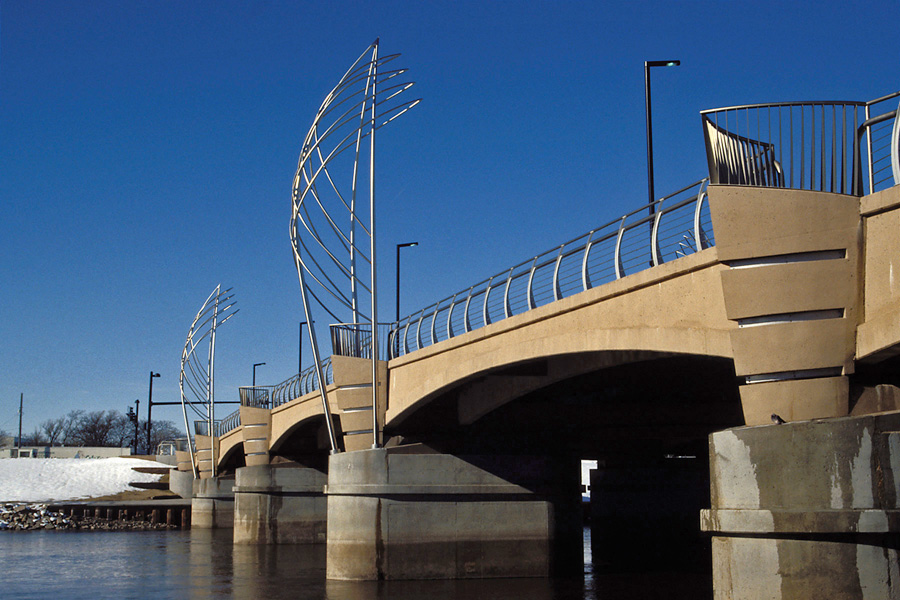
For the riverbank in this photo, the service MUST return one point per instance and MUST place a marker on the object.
(34, 517)
(43, 480)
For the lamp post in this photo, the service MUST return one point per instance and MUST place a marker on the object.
(150, 408)
(254, 372)
(406, 245)
(647, 65)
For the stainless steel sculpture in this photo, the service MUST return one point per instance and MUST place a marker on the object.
(332, 236)
(197, 381)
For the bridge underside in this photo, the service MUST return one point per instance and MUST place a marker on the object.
(656, 405)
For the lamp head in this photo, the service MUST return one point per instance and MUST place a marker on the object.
(662, 63)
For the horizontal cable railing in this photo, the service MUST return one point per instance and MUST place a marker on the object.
(301, 384)
(229, 423)
(355, 340)
(259, 396)
(881, 131)
(819, 146)
(676, 226)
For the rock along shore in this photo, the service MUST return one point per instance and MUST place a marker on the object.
(33, 517)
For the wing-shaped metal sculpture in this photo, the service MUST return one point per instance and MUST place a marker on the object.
(197, 381)
(333, 240)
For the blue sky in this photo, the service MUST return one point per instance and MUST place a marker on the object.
(147, 150)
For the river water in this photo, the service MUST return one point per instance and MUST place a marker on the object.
(196, 564)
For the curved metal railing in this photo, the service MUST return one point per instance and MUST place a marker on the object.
(301, 384)
(355, 340)
(229, 423)
(677, 225)
(202, 428)
(259, 396)
(804, 145)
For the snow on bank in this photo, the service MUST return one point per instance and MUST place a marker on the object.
(45, 479)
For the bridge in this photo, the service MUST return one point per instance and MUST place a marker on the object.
(753, 316)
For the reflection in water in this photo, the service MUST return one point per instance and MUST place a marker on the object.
(204, 564)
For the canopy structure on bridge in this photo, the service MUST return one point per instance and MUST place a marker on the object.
(332, 228)
(197, 381)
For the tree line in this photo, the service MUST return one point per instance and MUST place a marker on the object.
(105, 428)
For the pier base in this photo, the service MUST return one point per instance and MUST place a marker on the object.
(279, 504)
(405, 513)
(806, 510)
(212, 505)
(181, 483)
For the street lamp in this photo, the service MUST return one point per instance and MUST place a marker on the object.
(150, 408)
(406, 245)
(647, 65)
(254, 372)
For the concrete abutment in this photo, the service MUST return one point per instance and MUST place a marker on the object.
(279, 504)
(408, 513)
(806, 510)
(212, 504)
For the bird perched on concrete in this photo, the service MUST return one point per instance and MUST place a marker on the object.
(777, 420)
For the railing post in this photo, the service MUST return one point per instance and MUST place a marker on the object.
(585, 276)
(617, 256)
(530, 292)
(484, 309)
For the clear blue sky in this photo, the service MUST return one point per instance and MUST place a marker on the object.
(147, 150)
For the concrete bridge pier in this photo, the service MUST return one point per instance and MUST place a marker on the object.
(212, 503)
(411, 513)
(806, 510)
(280, 504)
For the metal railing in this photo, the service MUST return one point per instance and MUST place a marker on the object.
(202, 427)
(259, 396)
(882, 134)
(301, 384)
(184, 445)
(355, 340)
(677, 225)
(802, 145)
(229, 423)
(165, 448)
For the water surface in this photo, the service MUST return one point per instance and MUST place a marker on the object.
(164, 565)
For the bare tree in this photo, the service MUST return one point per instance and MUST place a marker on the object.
(53, 430)
(35, 438)
(161, 431)
(69, 434)
(101, 428)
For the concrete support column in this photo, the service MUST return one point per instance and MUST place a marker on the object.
(212, 505)
(403, 513)
(279, 504)
(181, 483)
(806, 510)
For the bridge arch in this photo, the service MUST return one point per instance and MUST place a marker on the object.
(634, 318)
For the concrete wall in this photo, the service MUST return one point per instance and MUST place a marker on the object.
(279, 504)
(878, 336)
(64, 452)
(409, 514)
(806, 510)
(793, 288)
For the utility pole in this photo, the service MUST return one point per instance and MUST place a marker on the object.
(19, 441)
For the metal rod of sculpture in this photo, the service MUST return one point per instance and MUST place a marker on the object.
(354, 110)
(197, 383)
